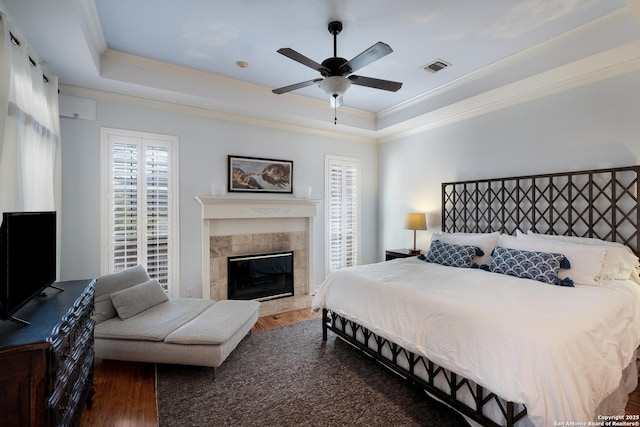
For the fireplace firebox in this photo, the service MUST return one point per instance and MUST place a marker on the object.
(260, 276)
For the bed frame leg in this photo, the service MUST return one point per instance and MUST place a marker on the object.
(325, 319)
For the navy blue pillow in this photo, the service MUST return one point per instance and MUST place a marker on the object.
(540, 266)
(451, 255)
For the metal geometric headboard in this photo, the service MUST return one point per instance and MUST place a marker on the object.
(600, 203)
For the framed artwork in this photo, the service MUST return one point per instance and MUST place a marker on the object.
(258, 175)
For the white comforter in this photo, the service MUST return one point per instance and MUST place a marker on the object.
(558, 350)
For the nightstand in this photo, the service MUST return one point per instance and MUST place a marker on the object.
(397, 253)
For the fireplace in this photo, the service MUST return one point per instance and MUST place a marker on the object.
(260, 276)
(234, 226)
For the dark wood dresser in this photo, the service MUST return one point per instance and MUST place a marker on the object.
(46, 368)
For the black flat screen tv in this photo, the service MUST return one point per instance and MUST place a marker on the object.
(27, 258)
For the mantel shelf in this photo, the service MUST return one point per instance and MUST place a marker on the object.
(255, 207)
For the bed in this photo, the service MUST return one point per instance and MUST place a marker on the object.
(536, 345)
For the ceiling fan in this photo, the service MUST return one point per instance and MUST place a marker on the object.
(336, 71)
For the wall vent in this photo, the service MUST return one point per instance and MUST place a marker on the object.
(436, 66)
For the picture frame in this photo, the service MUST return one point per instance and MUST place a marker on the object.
(259, 175)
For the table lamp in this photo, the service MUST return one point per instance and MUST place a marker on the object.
(415, 221)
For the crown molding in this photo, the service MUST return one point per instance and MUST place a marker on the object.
(89, 20)
(506, 63)
(613, 62)
(221, 93)
(171, 105)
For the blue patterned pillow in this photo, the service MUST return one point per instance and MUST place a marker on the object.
(450, 255)
(540, 266)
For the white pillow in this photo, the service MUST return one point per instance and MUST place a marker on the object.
(136, 299)
(586, 261)
(620, 261)
(485, 241)
(113, 282)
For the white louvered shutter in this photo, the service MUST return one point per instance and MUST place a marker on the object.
(343, 211)
(125, 210)
(141, 208)
(157, 212)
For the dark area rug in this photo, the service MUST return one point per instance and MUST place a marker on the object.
(289, 377)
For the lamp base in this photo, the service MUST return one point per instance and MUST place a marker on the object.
(414, 251)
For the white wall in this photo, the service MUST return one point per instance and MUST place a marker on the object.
(588, 127)
(204, 144)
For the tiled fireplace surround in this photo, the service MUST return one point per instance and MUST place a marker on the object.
(244, 226)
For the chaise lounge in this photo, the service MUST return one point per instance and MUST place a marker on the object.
(136, 321)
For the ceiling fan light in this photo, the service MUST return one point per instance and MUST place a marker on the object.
(335, 85)
(335, 101)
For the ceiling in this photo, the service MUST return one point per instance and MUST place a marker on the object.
(186, 51)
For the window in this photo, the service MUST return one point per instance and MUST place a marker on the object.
(140, 186)
(343, 211)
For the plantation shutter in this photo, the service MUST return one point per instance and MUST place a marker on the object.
(140, 212)
(157, 212)
(125, 211)
(343, 212)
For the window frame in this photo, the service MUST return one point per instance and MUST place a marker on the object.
(142, 139)
(357, 164)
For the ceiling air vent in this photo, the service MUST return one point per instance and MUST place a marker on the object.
(436, 66)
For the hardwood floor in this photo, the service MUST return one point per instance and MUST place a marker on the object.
(125, 395)
(125, 391)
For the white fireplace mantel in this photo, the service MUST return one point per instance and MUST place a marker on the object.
(241, 208)
(236, 207)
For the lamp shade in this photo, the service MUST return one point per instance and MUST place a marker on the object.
(416, 221)
(335, 85)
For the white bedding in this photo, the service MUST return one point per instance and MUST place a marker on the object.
(558, 350)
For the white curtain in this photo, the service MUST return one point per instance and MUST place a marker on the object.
(29, 130)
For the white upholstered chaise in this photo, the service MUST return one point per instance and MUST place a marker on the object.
(136, 321)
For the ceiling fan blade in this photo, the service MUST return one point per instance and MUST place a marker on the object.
(300, 85)
(296, 56)
(366, 57)
(375, 83)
